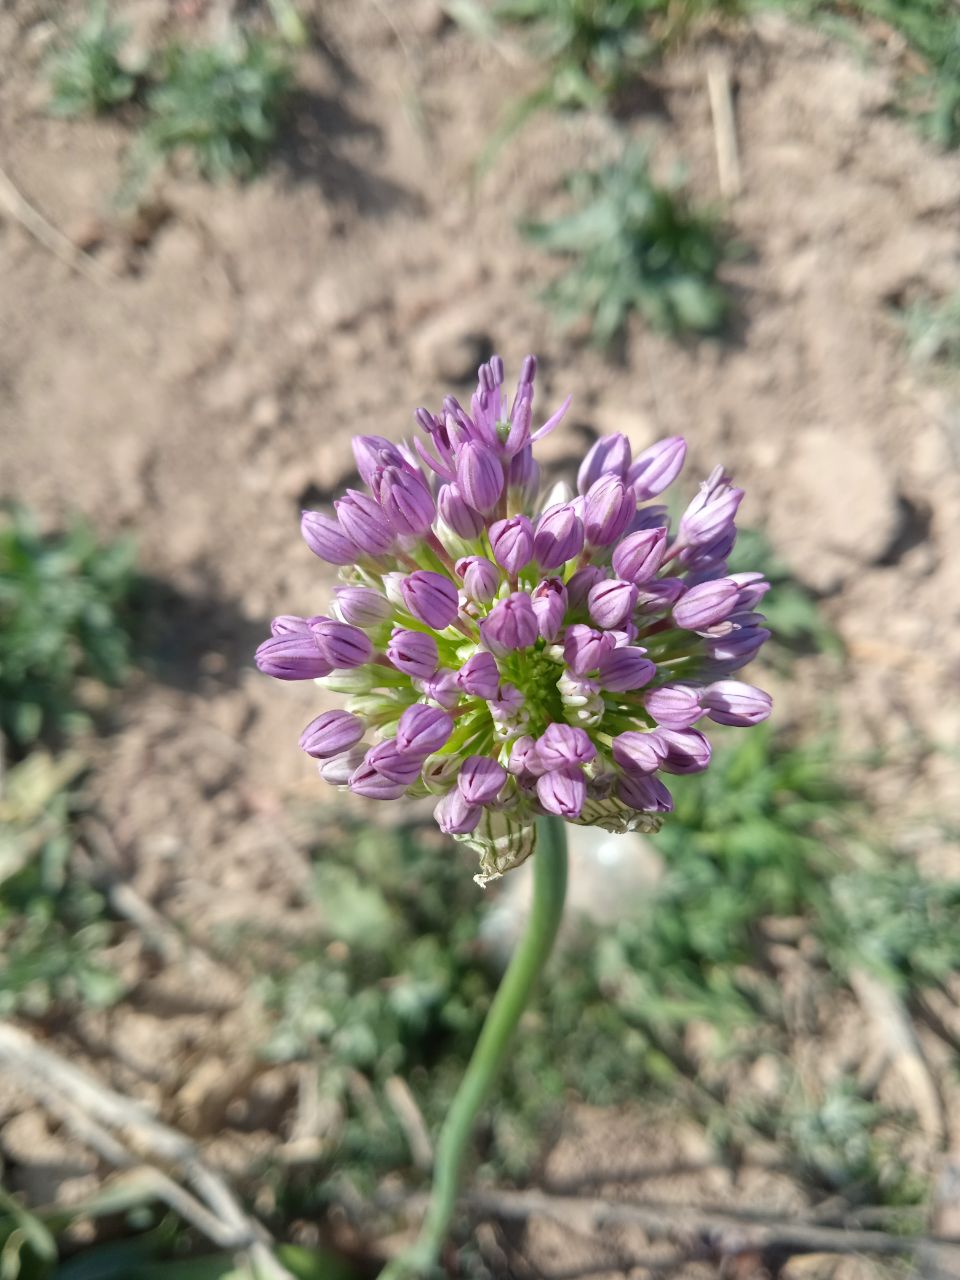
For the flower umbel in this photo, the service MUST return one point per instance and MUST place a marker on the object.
(513, 654)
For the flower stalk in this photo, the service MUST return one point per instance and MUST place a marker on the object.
(513, 994)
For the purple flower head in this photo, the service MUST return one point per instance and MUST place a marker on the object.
(423, 730)
(674, 706)
(406, 501)
(458, 513)
(706, 604)
(363, 521)
(581, 584)
(607, 510)
(559, 537)
(511, 624)
(730, 702)
(481, 579)
(584, 649)
(480, 676)
(326, 539)
(342, 645)
(431, 598)
(511, 541)
(685, 750)
(413, 653)
(624, 669)
(611, 602)
(479, 476)
(293, 656)
(549, 601)
(330, 734)
(639, 555)
(712, 511)
(456, 816)
(610, 456)
(638, 752)
(657, 467)
(576, 693)
(564, 744)
(362, 606)
(481, 779)
(563, 791)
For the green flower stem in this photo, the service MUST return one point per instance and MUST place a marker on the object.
(549, 890)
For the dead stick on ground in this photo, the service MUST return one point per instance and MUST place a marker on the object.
(724, 1231)
(45, 233)
(724, 129)
(404, 1106)
(66, 1090)
(902, 1050)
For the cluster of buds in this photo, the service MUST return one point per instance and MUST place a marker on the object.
(513, 654)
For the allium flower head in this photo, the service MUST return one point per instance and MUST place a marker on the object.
(514, 653)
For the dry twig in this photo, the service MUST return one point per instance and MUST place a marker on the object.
(45, 233)
(724, 130)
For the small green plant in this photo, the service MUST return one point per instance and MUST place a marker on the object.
(87, 76)
(221, 104)
(932, 329)
(54, 926)
(62, 604)
(634, 246)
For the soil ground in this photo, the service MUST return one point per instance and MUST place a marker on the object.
(208, 388)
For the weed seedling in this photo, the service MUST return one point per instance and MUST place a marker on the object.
(87, 76)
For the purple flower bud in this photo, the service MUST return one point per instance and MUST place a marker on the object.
(608, 509)
(512, 543)
(524, 760)
(455, 816)
(710, 556)
(660, 594)
(481, 579)
(362, 606)
(413, 653)
(372, 452)
(406, 501)
(563, 791)
(752, 588)
(370, 782)
(640, 555)
(657, 467)
(394, 763)
(511, 624)
(611, 602)
(422, 730)
(638, 752)
(685, 750)
(581, 582)
(338, 770)
(733, 651)
(674, 706)
(563, 744)
(295, 656)
(711, 512)
(341, 644)
(288, 624)
(730, 702)
(326, 539)
(550, 605)
(706, 604)
(584, 649)
(624, 669)
(480, 676)
(431, 597)
(363, 521)
(523, 474)
(479, 475)
(481, 779)
(441, 687)
(559, 537)
(646, 794)
(458, 513)
(507, 704)
(610, 456)
(330, 734)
